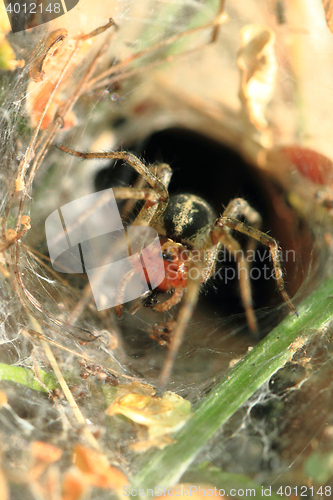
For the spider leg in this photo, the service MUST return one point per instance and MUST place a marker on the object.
(172, 301)
(147, 213)
(150, 210)
(220, 235)
(99, 30)
(238, 207)
(126, 210)
(131, 159)
(141, 302)
(122, 288)
(129, 193)
(271, 243)
(184, 316)
(158, 184)
(164, 306)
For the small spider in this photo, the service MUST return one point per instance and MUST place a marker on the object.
(191, 236)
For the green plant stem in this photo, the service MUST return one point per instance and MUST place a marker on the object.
(26, 377)
(165, 467)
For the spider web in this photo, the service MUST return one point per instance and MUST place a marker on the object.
(273, 437)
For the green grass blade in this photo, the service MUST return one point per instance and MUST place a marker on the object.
(26, 377)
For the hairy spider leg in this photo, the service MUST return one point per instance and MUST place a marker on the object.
(156, 184)
(122, 288)
(220, 236)
(172, 301)
(156, 198)
(184, 316)
(238, 207)
(127, 209)
(205, 269)
(147, 214)
(268, 241)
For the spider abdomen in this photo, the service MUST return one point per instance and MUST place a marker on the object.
(188, 219)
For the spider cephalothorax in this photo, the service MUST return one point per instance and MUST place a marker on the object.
(176, 257)
(191, 237)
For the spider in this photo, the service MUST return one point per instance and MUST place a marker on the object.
(191, 236)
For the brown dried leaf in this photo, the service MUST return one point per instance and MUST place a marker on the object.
(74, 485)
(25, 221)
(328, 6)
(36, 103)
(257, 63)
(159, 442)
(3, 398)
(10, 234)
(97, 470)
(311, 164)
(49, 59)
(50, 483)
(43, 454)
(134, 388)
(44, 51)
(161, 415)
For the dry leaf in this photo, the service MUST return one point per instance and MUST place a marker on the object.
(43, 454)
(159, 442)
(10, 234)
(50, 483)
(283, 161)
(44, 51)
(257, 63)
(47, 62)
(36, 102)
(74, 485)
(328, 6)
(53, 70)
(97, 470)
(134, 388)
(161, 416)
(3, 398)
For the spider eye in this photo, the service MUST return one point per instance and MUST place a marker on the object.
(168, 256)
